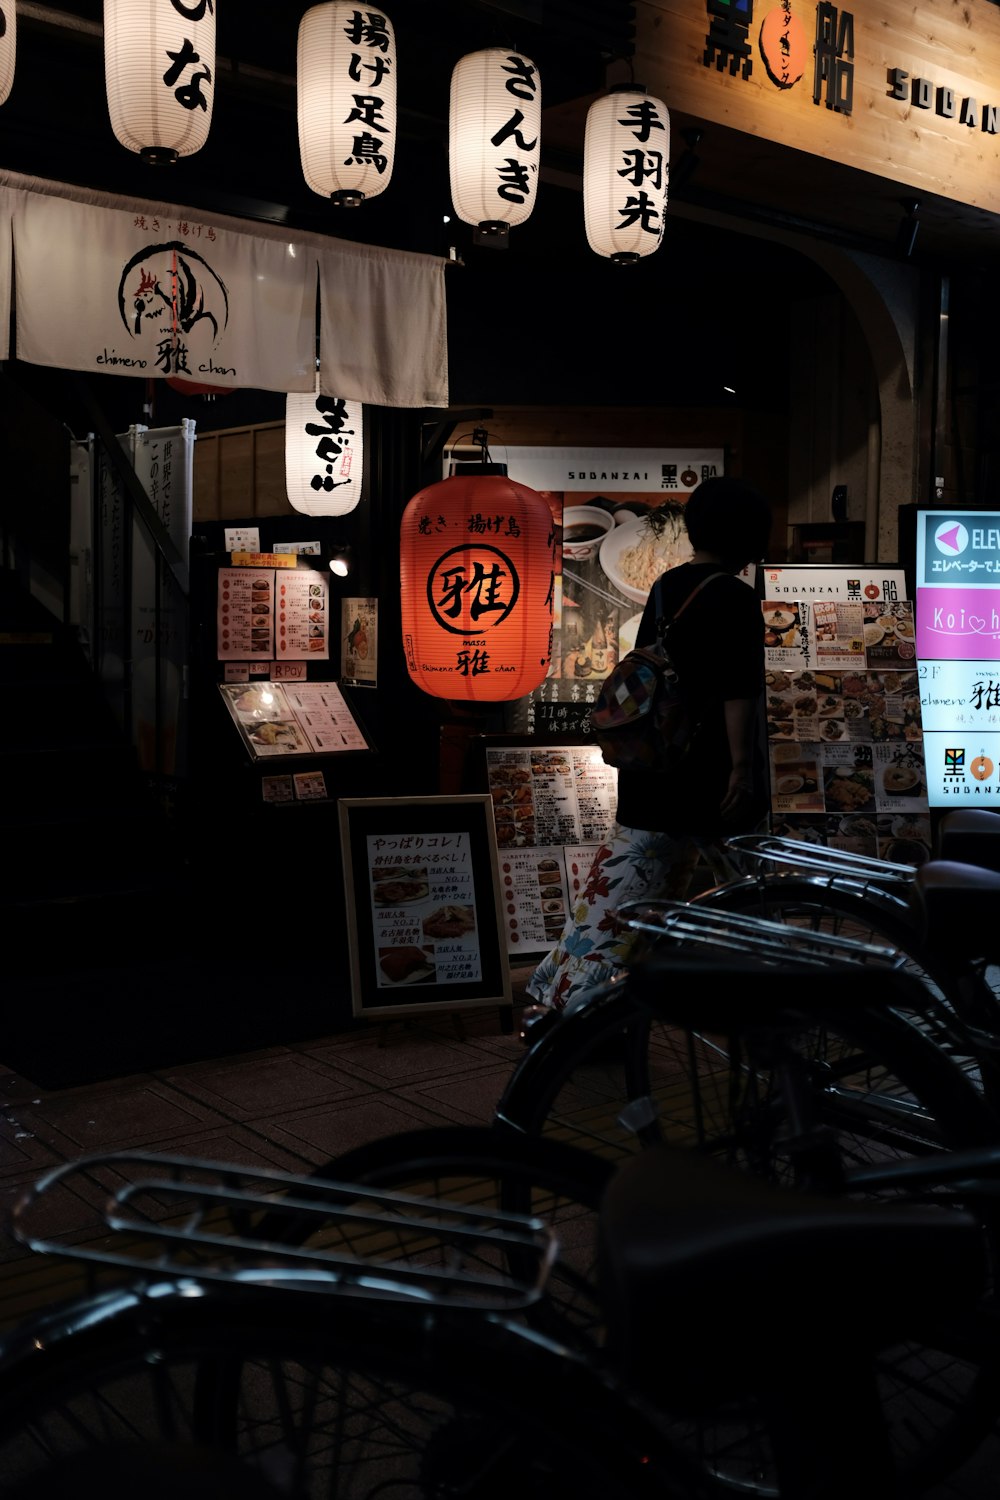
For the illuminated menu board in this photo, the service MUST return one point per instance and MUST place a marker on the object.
(958, 654)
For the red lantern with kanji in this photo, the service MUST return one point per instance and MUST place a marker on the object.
(477, 568)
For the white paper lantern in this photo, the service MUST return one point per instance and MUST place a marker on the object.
(346, 101)
(494, 130)
(8, 46)
(324, 453)
(159, 70)
(626, 170)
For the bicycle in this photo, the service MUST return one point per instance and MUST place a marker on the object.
(645, 1061)
(717, 1082)
(872, 900)
(362, 1365)
(398, 1354)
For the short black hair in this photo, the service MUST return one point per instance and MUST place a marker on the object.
(729, 517)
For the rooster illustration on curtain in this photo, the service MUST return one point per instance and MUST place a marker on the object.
(477, 575)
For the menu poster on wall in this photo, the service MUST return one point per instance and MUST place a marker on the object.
(268, 614)
(359, 642)
(828, 635)
(843, 712)
(958, 650)
(295, 719)
(423, 907)
(538, 889)
(547, 794)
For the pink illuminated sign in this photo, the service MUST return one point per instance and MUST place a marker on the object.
(960, 624)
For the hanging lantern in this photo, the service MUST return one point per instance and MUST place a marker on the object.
(477, 569)
(346, 101)
(159, 70)
(8, 47)
(324, 454)
(626, 168)
(494, 127)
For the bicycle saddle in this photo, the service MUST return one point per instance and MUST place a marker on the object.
(709, 1273)
(970, 836)
(960, 904)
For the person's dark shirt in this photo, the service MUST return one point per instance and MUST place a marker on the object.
(718, 648)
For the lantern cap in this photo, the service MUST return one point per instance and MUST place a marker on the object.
(492, 232)
(159, 156)
(347, 197)
(627, 88)
(478, 468)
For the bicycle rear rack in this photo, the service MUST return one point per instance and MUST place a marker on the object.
(782, 943)
(770, 848)
(191, 1220)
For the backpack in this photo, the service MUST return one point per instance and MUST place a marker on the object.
(641, 720)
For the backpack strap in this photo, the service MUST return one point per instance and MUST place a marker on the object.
(663, 624)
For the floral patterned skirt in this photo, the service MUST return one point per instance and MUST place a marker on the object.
(635, 866)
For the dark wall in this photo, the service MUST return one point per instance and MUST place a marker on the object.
(34, 451)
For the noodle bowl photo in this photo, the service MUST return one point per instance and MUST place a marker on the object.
(633, 556)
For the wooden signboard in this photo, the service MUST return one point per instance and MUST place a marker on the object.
(907, 93)
(423, 913)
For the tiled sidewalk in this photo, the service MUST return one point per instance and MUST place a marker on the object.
(281, 1108)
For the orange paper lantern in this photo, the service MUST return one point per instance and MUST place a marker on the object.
(477, 570)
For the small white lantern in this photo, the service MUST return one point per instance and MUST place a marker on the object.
(346, 76)
(8, 46)
(159, 70)
(324, 453)
(626, 170)
(494, 130)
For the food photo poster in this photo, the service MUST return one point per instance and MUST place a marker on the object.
(422, 904)
(359, 642)
(620, 516)
(843, 711)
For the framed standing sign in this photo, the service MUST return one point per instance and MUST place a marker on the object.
(423, 910)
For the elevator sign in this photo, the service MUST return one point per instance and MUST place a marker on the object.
(958, 655)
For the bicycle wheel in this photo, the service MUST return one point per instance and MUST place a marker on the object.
(882, 1090)
(324, 1397)
(476, 1166)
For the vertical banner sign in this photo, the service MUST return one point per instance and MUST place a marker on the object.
(958, 651)
(112, 554)
(163, 459)
(82, 501)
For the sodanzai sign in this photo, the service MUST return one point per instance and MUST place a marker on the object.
(850, 83)
(958, 651)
